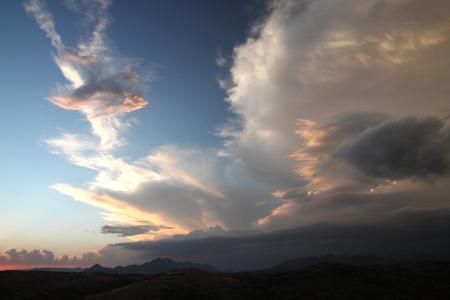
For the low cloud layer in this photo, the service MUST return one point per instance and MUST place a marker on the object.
(35, 258)
(126, 231)
(407, 232)
(26, 259)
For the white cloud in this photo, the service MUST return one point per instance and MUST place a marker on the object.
(37, 9)
(311, 62)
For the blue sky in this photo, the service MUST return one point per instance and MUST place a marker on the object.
(129, 125)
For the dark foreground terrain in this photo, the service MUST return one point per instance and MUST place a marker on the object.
(426, 280)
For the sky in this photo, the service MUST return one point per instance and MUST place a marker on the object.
(234, 133)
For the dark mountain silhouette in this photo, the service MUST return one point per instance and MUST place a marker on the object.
(413, 280)
(358, 260)
(185, 284)
(428, 280)
(40, 285)
(97, 268)
(354, 260)
(70, 270)
(156, 266)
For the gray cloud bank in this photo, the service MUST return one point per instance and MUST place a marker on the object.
(125, 231)
(408, 232)
(108, 256)
(44, 257)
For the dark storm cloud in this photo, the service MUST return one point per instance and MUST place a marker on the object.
(125, 231)
(351, 204)
(348, 125)
(402, 148)
(408, 231)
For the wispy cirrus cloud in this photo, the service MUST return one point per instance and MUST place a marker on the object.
(102, 86)
(37, 9)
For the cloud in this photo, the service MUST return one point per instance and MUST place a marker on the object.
(315, 160)
(125, 231)
(101, 90)
(17, 258)
(102, 85)
(117, 210)
(368, 148)
(397, 149)
(355, 203)
(409, 232)
(314, 77)
(45, 21)
(174, 163)
(221, 60)
(315, 60)
(107, 256)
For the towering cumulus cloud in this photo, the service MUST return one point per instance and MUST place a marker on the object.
(340, 117)
(343, 99)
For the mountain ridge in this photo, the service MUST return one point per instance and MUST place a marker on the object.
(156, 266)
